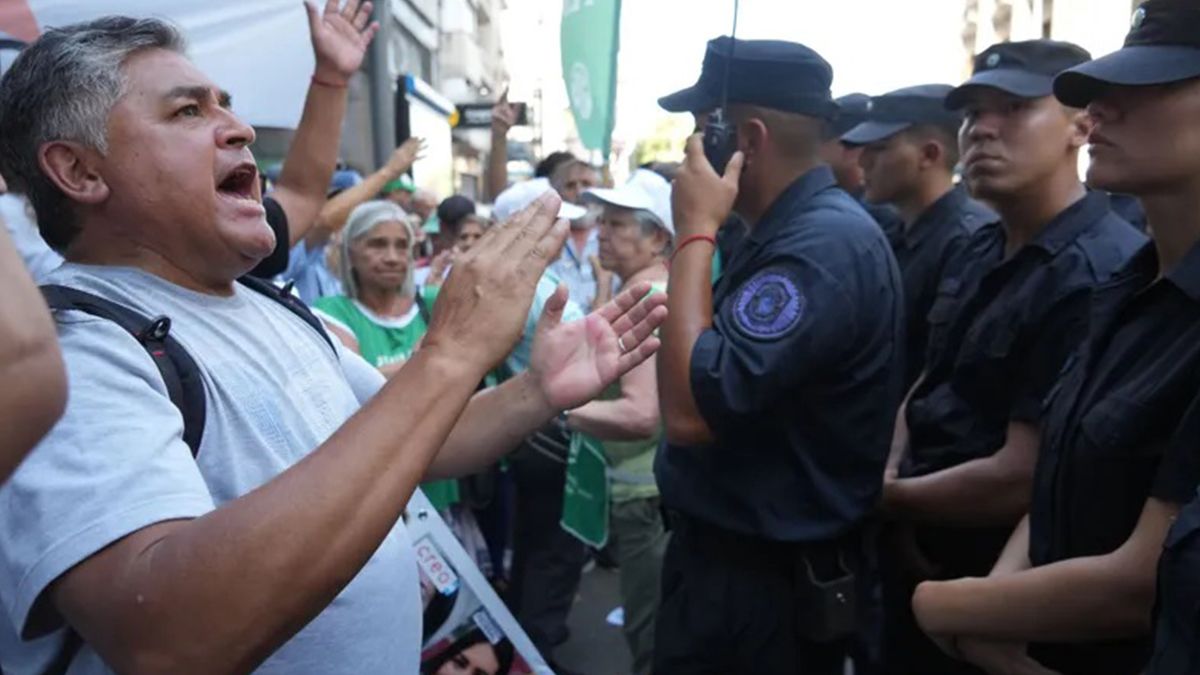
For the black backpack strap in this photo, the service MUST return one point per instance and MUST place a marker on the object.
(179, 371)
(295, 305)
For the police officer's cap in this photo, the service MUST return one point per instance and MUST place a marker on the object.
(851, 112)
(774, 74)
(1024, 69)
(1163, 46)
(902, 109)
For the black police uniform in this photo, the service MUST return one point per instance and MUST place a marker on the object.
(797, 379)
(1000, 331)
(1133, 430)
(1107, 439)
(925, 247)
(1177, 622)
(852, 111)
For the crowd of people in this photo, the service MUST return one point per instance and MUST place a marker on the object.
(886, 382)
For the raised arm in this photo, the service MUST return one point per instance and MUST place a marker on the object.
(340, 39)
(504, 116)
(335, 211)
(701, 200)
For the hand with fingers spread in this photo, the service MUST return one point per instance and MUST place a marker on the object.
(406, 155)
(574, 362)
(700, 199)
(483, 304)
(340, 38)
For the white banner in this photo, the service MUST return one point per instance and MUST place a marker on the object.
(259, 51)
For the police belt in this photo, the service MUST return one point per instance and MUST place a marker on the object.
(823, 573)
(826, 556)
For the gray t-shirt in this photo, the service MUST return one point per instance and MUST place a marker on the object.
(116, 463)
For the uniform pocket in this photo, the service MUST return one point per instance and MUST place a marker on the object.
(1117, 426)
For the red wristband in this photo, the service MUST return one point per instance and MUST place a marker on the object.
(327, 83)
(694, 238)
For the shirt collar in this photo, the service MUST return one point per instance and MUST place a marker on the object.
(945, 207)
(800, 191)
(1186, 274)
(1072, 222)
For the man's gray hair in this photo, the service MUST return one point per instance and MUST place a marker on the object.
(62, 88)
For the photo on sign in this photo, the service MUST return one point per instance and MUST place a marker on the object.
(465, 625)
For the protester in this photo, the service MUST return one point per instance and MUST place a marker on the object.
(908, 149)
(383, 318)
(547, 562)
(1010, 309)
(402, 191)
(425, 203)
(380, 317)
(570, 179)
(280, 545)
(1118, 458)
(29, 358)
(778, 388)
(635, 242)
(459, 228)
(310, 270)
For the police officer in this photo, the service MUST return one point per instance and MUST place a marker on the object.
(1009, 310)
(777, 388)
(909, 149)
(1119, 456)
(843, 157)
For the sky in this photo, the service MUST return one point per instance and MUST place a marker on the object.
(874, 45)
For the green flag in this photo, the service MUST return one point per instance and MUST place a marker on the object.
(586, 491)
(590, 39)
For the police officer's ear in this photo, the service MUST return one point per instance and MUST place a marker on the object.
(753, 134)
(1081, 126)
(932, 153)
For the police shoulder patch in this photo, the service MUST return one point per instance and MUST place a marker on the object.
(768, 305)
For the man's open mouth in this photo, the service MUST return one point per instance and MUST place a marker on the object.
(239, 182)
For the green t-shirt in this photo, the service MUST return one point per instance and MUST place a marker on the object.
(383, 341)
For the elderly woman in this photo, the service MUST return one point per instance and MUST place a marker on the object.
(381, 317)
(635, 236)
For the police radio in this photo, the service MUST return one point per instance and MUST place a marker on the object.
(720, 134)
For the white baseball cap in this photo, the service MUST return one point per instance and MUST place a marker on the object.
(522, 194)
(645, 190)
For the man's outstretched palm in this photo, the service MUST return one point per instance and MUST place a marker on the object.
(575, 362)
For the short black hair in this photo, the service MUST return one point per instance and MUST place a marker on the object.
(452, 212)
(550, 163)
(946, 134)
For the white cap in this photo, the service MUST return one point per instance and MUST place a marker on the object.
(520, 195)
(645, 190)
